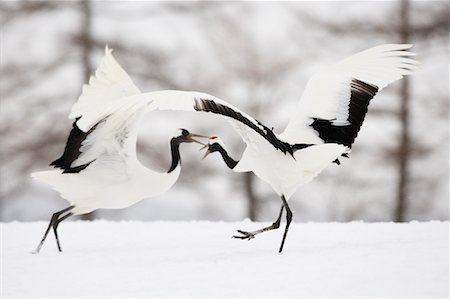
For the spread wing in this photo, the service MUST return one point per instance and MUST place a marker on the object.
(252, 131)
(334, 102)
(95, 131)
(109, 84)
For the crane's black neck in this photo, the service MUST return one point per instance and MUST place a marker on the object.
(175, 150)
(231, 163)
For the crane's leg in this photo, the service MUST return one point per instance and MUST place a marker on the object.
(252, 234)
(288, 221)
(55, 228)
(53, 220)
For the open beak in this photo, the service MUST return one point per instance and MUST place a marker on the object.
(194, 140)
(206, 153)
(206, 146)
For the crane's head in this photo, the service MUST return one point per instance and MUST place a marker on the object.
(184, 136)
(215, 144)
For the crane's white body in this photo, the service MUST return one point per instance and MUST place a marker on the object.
(283, 172)
(112, 187)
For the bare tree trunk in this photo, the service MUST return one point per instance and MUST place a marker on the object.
(86, 39)
(404, 146)
(86, 50)
(251, 196)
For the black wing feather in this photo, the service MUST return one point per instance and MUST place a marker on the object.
(360, 96)
(211, 106)
(72, 150)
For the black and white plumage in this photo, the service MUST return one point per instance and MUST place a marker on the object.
(99, 168)
(322, 128)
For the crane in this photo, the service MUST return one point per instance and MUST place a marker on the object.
(321, 130)
(99, 168)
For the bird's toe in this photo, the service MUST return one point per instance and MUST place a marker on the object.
(244, 235)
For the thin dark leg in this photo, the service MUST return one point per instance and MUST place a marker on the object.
(288, 221)
(53, 220)
(252, 234)
(55, 228)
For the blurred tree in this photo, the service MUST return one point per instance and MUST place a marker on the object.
(438, 24)
(86, 39)
(404, 151)
(252, 205)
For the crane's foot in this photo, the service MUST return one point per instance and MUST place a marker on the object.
(251, 235)
(246, 235)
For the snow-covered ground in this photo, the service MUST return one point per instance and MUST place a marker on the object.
(200, 259)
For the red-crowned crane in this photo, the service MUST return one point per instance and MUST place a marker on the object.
(321, 130)
(99, 168)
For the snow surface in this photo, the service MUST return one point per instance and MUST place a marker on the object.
(199, 259)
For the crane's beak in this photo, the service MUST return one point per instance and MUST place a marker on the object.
(206, 153)
(189, 137)
(206, 146)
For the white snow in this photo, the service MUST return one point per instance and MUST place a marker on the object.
(200, 259)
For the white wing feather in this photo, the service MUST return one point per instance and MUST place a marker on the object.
(123, 115)
(379, 65)
(109, 84)
(327, 93)
(186, 101)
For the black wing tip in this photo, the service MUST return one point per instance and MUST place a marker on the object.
(361, 93)
(369, 88)
(65, 166)
(299, 146)
(72, 150)
(208, 105)
(58, 163)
